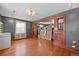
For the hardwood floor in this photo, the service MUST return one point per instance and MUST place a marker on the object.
(36, 47)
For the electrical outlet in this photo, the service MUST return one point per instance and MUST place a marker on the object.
(73, 41)
(73, 46)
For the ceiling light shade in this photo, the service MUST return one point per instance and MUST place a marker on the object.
(31, 12)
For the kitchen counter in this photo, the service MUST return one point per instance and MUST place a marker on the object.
(5, 40)
(5, 33)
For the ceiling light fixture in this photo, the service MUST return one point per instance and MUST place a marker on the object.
(31, 12)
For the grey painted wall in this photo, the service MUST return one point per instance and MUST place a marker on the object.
(29, 28)
(72, 28)
(9, 26)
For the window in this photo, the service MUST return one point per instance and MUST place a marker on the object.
(60, 23)
(20, 27)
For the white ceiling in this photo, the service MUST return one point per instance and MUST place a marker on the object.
(42, 9)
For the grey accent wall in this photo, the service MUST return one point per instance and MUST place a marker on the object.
(9, 26)
(29, 28)
(72, 28)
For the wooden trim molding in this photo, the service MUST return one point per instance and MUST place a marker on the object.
(34, 30)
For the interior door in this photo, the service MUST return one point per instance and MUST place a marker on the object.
(59, 30)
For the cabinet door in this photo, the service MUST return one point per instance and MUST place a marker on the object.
(5, 42)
